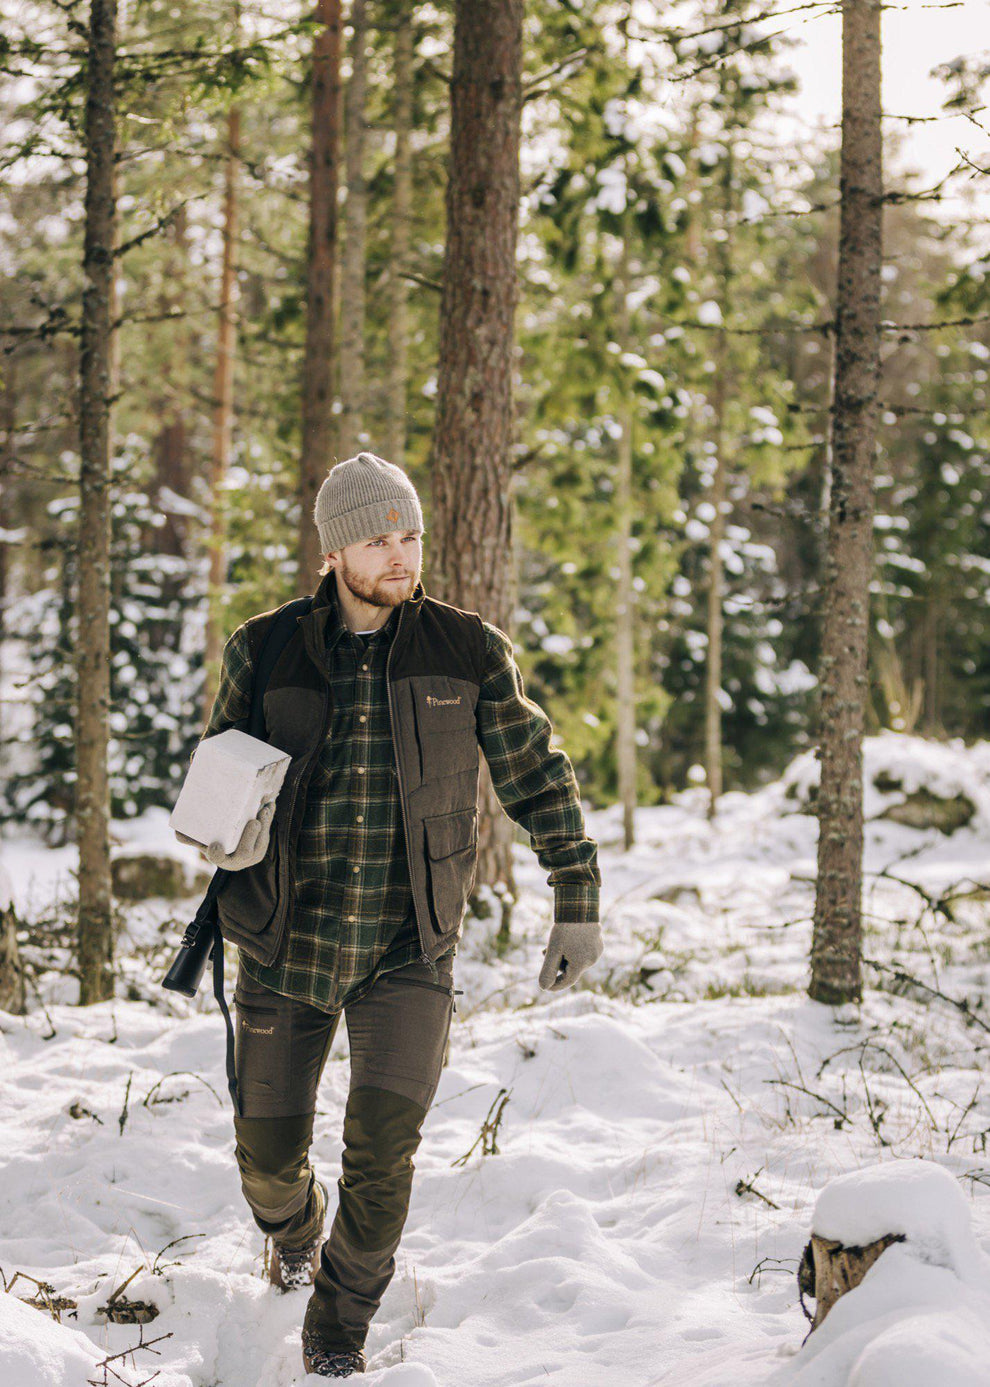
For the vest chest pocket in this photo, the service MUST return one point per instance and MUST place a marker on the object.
(445, 727)
(452, 855)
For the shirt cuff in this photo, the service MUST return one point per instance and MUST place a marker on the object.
(575, 903)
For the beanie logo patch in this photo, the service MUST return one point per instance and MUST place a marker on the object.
(393, 515)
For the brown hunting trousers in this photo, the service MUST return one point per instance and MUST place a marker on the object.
(397, 1035)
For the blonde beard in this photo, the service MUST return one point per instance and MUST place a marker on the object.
(373, 597)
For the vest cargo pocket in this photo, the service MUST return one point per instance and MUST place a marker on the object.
(452, 852)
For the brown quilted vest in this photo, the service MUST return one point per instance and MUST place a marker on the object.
(434, 672)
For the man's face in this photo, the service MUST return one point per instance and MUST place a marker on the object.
(382, 571)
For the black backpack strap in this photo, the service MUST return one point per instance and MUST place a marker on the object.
(217, 956)
(279, 634)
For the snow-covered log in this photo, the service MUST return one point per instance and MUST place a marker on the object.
(859, 1215)
(11, 971)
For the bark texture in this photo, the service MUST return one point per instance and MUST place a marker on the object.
(719, 501)
(317, 387)
(472, 469)
(95, 935)
(223, 408)
(836, 946)
(355, 224)
(8, 447)
(829, 1269)
(398, 361)
(11, 969)
(625, 597)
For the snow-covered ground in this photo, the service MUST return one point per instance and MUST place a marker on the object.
(669, 1126)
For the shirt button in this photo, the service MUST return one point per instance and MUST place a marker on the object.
(364, 666)
(362, 718)
(352, 917)
(360, 770)
(357, 869)
(360, 818)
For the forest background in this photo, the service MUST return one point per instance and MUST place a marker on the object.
(676, 269)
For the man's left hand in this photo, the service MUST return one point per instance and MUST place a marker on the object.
(570, 949)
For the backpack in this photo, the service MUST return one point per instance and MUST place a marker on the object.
(202, 940)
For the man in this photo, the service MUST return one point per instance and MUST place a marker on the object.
(349, 901)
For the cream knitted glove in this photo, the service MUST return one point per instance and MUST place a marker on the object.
(251, 848)
(570, 949)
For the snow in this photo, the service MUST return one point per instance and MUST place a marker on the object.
(675, 1127)
(916, 1199)
(946, 769)
(37, 1352)
(906, 1325)
(612, 190)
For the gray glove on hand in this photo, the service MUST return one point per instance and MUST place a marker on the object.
(251, 848)
(570, 949)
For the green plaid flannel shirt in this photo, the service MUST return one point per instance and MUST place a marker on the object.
(354, 917)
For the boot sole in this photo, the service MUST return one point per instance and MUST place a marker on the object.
(307, 1364)
(275, 1271)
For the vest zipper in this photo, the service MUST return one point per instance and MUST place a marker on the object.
(424, 956)
(327, 721)
(301, 787)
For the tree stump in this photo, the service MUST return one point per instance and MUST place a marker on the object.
(11, 969)
(828, 1269)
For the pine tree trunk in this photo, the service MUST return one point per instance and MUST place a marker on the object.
(398, 361)
(836, 945)
(625, 597)
(932, 621)
(472, 476)
(715, 592)
(719, 489)
(8, 423)
(93, 637)
(170, 449)
(317, 385)
(223, 410)
(168, 398)
(355, 221)
(693, 208)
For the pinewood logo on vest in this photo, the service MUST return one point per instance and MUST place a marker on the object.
(442, 702)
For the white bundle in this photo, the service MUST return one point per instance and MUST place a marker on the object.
(231, 776)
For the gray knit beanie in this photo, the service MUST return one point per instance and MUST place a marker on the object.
(361, 497)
